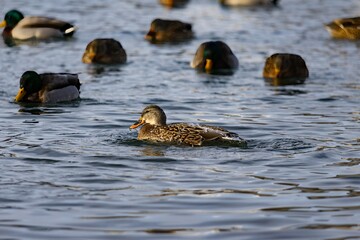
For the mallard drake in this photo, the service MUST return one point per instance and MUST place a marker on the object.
(162, 30)
(347, 28)
(290, 68)
(154, 128)
(24, 28)
(48, 87)
(248, 2)
(104, 51)
(215, 57)
(174, 3)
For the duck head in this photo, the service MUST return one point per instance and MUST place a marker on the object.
(30, 83)
(152, 115)
(11, 18)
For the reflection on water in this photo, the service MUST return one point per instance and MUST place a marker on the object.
(75, 170)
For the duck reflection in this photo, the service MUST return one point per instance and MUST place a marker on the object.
(151, 151)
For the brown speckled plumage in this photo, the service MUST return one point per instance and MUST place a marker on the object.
(346, 28)
(162, 30)
(154, 128)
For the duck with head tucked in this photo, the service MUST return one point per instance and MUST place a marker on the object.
(104, 51)
(215, 57)
(345, 28)
(285, 69)
(48, 87)
(162, 30)
(248, 3)
(174, 3)
(154, 128)
(34, 27)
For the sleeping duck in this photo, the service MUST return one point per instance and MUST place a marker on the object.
(162, 30)
(285, 69)
(154, 128)
(173, 3)
(215, 57)
(48, 87)
(41, 28)
(104, 51)
(346, 28)
(248, 3)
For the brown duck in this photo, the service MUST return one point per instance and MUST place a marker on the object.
(154, 128)
(162, 30)
(174, 3)
(285, 65)
(104, 51)
(346, 28)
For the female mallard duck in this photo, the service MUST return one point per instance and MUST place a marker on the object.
(174, 3)
(347, 28)
(285, 68)
(24, 28)
(285, 65)
(169, 31)
(247, 2)
(215, 57)
(104, 51)
(48, 87)
(154, 128)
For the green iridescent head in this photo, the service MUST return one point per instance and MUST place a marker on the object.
(12, 18)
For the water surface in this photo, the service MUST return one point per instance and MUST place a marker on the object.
(76, 171)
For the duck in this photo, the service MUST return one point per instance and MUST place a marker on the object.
(154, 128)
(34, 27)
(48, 87)
(248, 3)
(285, 69)
(164, 30)
(104, 51)
(344, 28)
(173, 3)
(214, 57)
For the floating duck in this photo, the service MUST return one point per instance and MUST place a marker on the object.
(174, 3)
(162, 30)
(24, 28)
(154, 128)
(48, 87)
(215, 58)
(285, 69)
(245, 3)
(346, 28)
(104, 51)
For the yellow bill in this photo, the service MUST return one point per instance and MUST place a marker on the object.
(208, 65)
(20, 95)
(137, 124)
(3, 24)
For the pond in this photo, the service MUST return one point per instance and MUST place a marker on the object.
(75, 170)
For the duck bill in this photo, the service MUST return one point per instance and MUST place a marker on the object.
(151, 35)
(137, 124)
(208, 65)
(3, 24)
(20, 95)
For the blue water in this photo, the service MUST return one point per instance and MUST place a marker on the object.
(76, 171)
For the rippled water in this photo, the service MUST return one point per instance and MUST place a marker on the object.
(76, 171)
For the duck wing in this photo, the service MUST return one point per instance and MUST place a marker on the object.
(42, 28)
(192, 134)
(179, 133)
(51, 81)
